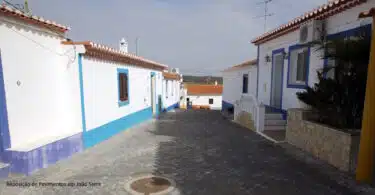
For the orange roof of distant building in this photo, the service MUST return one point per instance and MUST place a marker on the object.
(202, 89)
(103, 52)
(14, 13)
(242, 65)
(171, 76)
(324, 11)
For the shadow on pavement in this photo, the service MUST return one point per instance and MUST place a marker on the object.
(207, 154)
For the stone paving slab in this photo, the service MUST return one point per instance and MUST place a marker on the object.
(202, 152)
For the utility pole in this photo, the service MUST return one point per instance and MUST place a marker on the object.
(266, 14)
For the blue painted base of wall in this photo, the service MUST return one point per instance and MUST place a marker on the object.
(99, 134)
(30, 161)
(4, 171)
(226, 105)
(173, 106)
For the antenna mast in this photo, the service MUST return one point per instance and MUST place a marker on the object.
(266, 14)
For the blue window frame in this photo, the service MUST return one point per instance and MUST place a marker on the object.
(298, 66)
(342, 35)
(123, 87)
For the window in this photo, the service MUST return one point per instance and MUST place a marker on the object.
(210, 101)
(123, 85)
(349, 34)
(245, 81)
(298, 66)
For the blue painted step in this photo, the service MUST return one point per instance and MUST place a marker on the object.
(4, 170)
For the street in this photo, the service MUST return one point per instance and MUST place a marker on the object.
(202, 152)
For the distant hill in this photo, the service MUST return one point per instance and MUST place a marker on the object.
(202, 79)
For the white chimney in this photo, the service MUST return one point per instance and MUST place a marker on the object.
(124, 45)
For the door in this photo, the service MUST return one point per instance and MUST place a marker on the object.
(160, 104)
(188, 106)
(277, 79)
(153, 102)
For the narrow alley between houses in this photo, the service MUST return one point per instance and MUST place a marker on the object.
(201, 152)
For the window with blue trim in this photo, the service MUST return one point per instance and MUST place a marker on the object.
(298, 66)
(123, 86)
(348, 34)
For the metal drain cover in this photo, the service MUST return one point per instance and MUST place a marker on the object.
(149, 185)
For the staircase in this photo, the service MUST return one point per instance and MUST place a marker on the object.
(274, 122)
(274, 126)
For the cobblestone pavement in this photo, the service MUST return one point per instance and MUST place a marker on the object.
(200, 150)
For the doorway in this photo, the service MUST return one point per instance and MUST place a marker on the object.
(277, 79)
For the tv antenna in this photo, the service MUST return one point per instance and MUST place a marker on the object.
(266, 14)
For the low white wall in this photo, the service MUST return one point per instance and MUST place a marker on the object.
(46, 103)
(101, 91)
(203, 100)
(337, 23)
(232, 83)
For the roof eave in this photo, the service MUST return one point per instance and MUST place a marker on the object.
(321, 12)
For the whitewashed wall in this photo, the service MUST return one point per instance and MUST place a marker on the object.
(338, 23)
(46, 104)
(232, 83)
(169, 99)
(203, 100)
(101, 91)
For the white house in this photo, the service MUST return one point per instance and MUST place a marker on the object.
(286, 64)
(238, 80)
(171, 90)
(58, 97)
(203, 95)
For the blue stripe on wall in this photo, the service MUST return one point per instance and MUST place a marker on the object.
(30, 161)
(4, 127)
(171, 107)
(99, 134)
(80, 72)
(257, 88)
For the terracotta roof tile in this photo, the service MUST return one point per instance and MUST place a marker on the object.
(104, 52)
(242, 65)
(12, 12)
(171, 76)
(200, 89)
(321, 12)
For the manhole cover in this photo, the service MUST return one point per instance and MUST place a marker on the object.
(149, 185)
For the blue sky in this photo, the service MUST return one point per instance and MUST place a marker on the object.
(197, 36)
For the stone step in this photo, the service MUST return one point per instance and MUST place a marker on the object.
(4, 170)
(274, 128)
(273, 116)
(273, 122)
